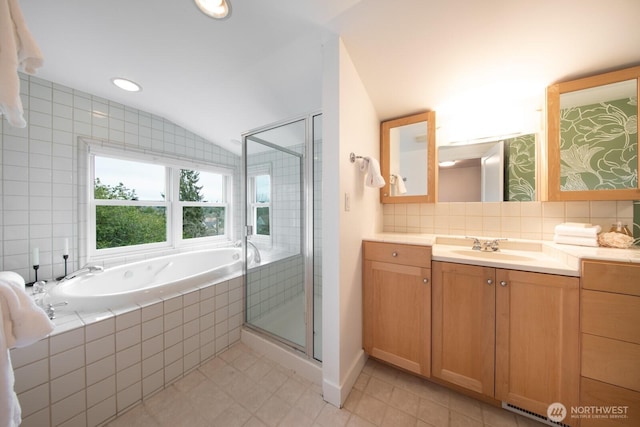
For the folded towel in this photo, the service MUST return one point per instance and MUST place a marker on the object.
(22, 324)
(573, 231)
(18, 51)
(578, 241)
(372, 169)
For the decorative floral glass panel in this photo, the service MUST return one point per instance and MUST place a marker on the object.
(599, 145)
(520, 168)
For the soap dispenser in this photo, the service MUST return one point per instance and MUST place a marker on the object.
(619, 228)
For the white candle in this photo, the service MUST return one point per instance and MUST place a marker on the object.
(36, 256)
(66, 247)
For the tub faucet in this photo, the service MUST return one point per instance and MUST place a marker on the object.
(87, 269)
(256, 252)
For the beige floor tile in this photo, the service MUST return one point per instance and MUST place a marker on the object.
(273, 380)
(468, 406)
(210, 400)
(433, 413)
(371, 409)
(405, 401)
(295, 418)
(357, 421)
(191, 380)
(396, 418)
(330, 416)
(352, 400)
(234, 416)
(254, 422)
(291, 390)
(273, 411)
(310, 403)
(136, 417)
(362, 381)
(498, 417)
(379, 389)
(459, 420)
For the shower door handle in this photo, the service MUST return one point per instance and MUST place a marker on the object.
(249, 230)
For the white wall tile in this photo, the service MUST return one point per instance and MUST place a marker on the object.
(68, 384)
(31, 375)
(68, 408)
(101, 391)
(67, 361)
(101, 412)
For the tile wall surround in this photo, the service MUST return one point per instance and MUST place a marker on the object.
(39, 167)
(95, 366)
(516, 220)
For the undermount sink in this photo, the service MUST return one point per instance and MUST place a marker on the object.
(498, 256)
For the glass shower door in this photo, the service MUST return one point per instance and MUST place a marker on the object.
(276, 300)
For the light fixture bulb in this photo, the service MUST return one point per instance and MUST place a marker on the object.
(217, 9)
(447, 163)
(126, 84)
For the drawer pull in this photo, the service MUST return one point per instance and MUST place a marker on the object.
(394, 254)
(489, 282)
(425, 280)
(503, 283)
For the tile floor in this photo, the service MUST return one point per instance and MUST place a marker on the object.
(242, 388)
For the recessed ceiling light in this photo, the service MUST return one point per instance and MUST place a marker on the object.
(217, 9)
(127, 85)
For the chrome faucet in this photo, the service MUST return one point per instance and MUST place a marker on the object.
(256, 252)
(87, 269)
(486, 246)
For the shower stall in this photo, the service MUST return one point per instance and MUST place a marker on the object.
(282, 168)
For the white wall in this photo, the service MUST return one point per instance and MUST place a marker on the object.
(350, 125)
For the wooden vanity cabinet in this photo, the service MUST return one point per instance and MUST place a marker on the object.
(397, 305)
(610, 326)
(510, 335)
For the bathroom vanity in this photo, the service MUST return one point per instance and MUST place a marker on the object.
(507, 326)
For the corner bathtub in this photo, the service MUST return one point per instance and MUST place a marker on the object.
(144, 281)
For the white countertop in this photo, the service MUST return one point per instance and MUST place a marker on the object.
(528, 255)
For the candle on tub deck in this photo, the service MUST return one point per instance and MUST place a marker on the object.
(66, 247)
(36, 256)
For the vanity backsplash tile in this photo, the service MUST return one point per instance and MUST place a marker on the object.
(523, 220)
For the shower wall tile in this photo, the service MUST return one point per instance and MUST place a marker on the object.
(39, 168)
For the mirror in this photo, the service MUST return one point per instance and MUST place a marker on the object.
(593, 137)
(488, 171)
(407, 156)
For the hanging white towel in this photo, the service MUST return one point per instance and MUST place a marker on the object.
(372, 169)
(18, 51)
(400, 187)
(23, 323)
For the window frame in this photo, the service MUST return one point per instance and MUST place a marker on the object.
(253, 172)
(172, 204)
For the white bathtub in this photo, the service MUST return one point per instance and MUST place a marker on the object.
(144, 281)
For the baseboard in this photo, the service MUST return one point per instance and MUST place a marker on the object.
(337, 394)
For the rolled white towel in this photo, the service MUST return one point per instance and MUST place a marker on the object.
(575, 231)
(577, 241)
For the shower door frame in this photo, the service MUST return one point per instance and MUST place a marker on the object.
(306, 236)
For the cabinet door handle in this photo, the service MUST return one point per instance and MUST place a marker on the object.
(425, 280)
(489, 282)
(503, 283)
(394, 254)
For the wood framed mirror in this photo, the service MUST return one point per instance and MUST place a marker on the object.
(407, 159)
(592, 138)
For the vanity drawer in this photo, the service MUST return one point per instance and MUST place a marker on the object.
(599, 394)
(622, 278)
(395, 253)
(611, 361)
(611, 315)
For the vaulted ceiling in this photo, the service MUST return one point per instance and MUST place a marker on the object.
(264, 63)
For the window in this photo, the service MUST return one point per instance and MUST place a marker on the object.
(260, 201)
(140, 205)
(203, 207)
